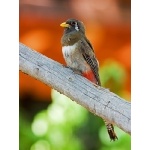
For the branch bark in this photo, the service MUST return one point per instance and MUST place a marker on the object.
(96, 99)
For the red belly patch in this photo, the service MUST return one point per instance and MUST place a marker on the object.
(90, 76)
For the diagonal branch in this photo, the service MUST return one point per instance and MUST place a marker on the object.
(98, 100)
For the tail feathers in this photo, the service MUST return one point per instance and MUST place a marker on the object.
(111, 132)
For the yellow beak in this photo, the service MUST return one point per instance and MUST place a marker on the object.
(64, 25)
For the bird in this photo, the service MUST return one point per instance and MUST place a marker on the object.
(79, 55)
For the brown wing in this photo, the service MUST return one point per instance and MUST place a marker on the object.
(88, 54)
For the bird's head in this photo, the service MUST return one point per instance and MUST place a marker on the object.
(73, 25)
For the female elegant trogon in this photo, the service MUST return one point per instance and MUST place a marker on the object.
(79, 55)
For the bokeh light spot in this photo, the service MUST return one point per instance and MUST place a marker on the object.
(39, 127)
(40, 145)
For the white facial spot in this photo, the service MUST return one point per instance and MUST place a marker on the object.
(76, 26)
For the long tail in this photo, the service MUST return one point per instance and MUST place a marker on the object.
(111, 132)
(110, 128)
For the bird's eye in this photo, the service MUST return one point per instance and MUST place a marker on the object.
(73, 23)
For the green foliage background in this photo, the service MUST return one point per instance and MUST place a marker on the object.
(65, 125)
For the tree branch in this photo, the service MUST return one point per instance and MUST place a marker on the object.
(96, 99)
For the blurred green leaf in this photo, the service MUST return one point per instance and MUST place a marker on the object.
(113, 76)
